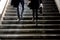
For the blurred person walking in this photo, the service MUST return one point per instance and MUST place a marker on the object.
(16, 3)
(34, 5)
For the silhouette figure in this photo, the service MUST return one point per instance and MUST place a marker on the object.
(34, 5)
(16, 3)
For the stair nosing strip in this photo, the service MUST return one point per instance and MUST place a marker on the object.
(20, 25)
(15, 35)
(28, 29)
(28, 20)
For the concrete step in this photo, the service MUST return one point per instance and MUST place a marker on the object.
(48, 2)
(26, 8)
(54, 14)
(27, 35)
(31, 22)
(25, 25)
(28, 12)
(50, 10)
(27, 39)
(32, 36)
(20, 31)
(24, 14)
(21, 22)
(29, 31)
(15, 17)
(30, 17)
(16, 10)
(30, 26)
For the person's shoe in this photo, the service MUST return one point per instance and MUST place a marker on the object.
(18, 19)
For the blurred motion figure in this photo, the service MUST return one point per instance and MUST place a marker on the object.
(15, 3)
(34, 5)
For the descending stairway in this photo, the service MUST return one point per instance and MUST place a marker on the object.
(48, 23)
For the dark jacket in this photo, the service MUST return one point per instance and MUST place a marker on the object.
(15, 3)
(12, 2)
(34, 4)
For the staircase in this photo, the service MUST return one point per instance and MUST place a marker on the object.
(48, 24)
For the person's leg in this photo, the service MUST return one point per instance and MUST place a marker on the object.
(18, 14)
(36, 17)
(40, 10)
(33, 11)
(22, 3)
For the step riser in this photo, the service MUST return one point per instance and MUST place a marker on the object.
(30, 27)
(20, 15)
(31, 22)
(32, 37)
(30, 18)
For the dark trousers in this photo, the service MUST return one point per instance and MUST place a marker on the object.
(35, 12)
(18, 14)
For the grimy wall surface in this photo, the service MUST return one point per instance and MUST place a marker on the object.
(2, 4)
(58, 4)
